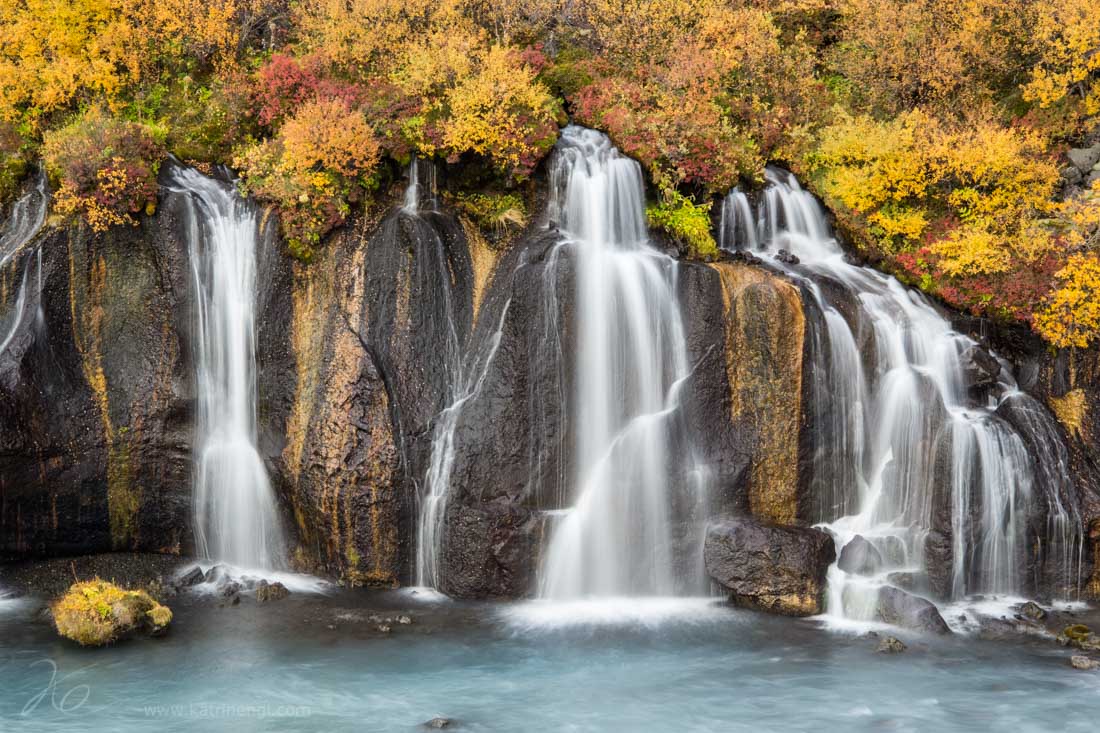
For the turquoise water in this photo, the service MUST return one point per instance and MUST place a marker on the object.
(503, 667)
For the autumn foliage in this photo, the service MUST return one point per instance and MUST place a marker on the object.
(105, 169)
(936, 130)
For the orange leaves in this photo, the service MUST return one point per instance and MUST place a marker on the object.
(325, 135)
(324, 155)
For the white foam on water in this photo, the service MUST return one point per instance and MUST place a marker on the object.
(645, 612)
(294, 582)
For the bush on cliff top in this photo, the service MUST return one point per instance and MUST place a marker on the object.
(105, 168)
(95, 612)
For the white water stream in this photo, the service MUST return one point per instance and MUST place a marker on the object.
(236, 520)
(892, 400)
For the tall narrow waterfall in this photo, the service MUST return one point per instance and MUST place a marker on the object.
(912, 451)
(236, 520)
(27, 216)
(617, 537)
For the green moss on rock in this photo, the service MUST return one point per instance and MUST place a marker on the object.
(95, 612)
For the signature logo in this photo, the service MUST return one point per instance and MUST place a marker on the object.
(57, 693)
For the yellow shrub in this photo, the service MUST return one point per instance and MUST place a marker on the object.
(1071, 316)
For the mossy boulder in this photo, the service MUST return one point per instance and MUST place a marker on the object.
(95, 612)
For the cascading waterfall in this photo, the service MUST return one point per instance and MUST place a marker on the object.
(631, 362)
(464, 380)
(28, 214)
(896, 416)
(236, 520)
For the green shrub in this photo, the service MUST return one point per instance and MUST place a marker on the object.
(493, 211)
(686, 222)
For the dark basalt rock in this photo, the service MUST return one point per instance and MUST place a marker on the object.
(192, 577)
(980, 369)
(770, 568)
(786, 257)
(95, 396)
(891, 645)
(898, 608)
(860, 557)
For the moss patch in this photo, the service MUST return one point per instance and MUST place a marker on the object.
(95, 612)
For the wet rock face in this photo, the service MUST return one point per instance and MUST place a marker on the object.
(764, 328)
(902, 609)
(860, 557)
(95, 397)
(980, 369)
(770, 568)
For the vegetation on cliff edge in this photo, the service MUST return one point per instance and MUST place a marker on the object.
(936, 130)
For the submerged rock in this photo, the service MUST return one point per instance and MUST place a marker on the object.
(898, 608)
(439, 723)
(860, 557)
(271, 592)
(778, 569)
(891, 645)
(95, 612)
(1033, 611)
(1080, 661)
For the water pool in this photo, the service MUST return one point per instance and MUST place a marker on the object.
(320, 664)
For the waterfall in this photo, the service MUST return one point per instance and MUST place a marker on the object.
(415, 191)
(908, 447)
(27, 216)
(463, 380)
(236, 520)
(617, 537)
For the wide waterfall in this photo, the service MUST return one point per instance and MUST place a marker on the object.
(920, 436)
(27, 216)
(616, 538)
(236, 520)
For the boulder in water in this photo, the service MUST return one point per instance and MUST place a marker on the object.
(270, 592)
(860, 557)
(907, 581)
(439, 723)
(898, 608)
(1080, 661)
(95, 612)
(1033, 611)
(891, 645)
(773, 568)
(191, 578)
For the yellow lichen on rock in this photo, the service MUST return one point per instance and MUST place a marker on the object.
(1070, 410)
(765, 330)
(95, 612)
(483, 261)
